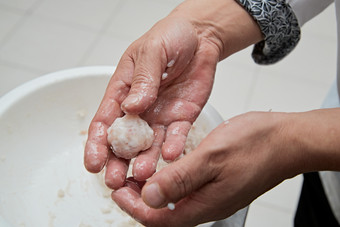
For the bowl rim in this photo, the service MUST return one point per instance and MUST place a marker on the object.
(14, 95)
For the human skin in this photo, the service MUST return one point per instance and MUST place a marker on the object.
(196, 35)
(238, 161)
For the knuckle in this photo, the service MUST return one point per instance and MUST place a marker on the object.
(152, 43)
(144, 80)
(182, 182)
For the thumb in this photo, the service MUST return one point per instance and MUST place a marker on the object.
(176, 181)
(148, 70)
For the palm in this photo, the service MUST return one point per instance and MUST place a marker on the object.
(170, 106)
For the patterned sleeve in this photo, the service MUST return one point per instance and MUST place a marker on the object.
(279, 26)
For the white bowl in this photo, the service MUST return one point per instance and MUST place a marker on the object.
(43, 127)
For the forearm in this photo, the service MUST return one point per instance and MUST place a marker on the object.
(222, 22)
(314, 140)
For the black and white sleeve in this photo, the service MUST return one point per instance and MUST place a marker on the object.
(279, 26)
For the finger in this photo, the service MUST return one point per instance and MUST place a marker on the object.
(176, 136)
(146, 162)
(177, 180)
(134, 184)
(129, 200)
(97, 147)
(150, 63)
(188, 212)
(116, 169)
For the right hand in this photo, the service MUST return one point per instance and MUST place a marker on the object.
(237, 162)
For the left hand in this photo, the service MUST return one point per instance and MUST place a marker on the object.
(169, 105)
(196, 35)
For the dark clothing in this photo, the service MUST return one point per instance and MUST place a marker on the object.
(313, 208)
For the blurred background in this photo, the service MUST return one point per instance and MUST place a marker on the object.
(42, 36)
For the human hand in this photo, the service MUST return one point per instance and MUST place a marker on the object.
(172, 46)
(238, 161)
(187, 46)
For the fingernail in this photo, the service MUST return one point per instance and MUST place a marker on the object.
(131, 100)
(152, 196)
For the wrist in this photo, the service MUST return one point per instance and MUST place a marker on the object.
(314, 140)
(223, 23)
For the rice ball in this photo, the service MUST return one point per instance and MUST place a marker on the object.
(129, 135)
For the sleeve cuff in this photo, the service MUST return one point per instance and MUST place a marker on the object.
(279, 26)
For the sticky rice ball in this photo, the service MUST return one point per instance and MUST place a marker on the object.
(129, 135)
